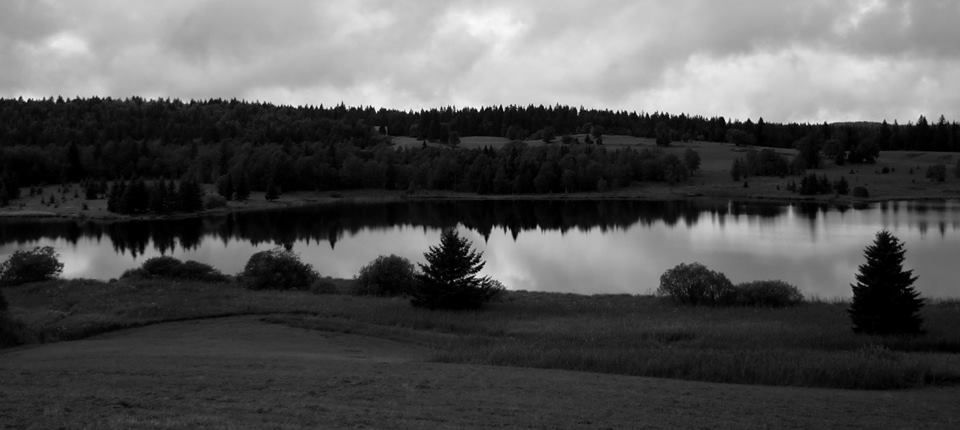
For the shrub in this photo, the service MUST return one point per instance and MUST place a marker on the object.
(861, 192)
(170, 268)
(766, 293)
(38, 264)
(937, 173)
(3, 304)
(213, 201)
(694, 284)
(884, 300)
(13, 333)
(386, 276)
(449, 281)
(277, 269)
(324, 286)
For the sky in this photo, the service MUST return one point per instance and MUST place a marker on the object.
(785, 60)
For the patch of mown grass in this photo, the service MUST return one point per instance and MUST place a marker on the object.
(806, 345)
(71, 309)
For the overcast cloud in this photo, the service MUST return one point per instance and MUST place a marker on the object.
(804, 60)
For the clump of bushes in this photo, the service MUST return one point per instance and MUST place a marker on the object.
(214, 201)
(277, 269)
(390, 275)
(165, 267)
(324, 286)
(38, 264)
(772, 293)
(695, 284)
(861, 192)
(937, 173)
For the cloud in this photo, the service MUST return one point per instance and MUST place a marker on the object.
(789, 60)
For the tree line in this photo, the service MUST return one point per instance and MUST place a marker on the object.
(259, 146)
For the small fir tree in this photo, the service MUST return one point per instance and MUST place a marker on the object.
(272, 192)
(884, 300)
(242, 191)
(449, 279)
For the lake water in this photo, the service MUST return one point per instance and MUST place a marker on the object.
(564, 246)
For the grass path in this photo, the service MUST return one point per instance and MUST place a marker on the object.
(240, 372)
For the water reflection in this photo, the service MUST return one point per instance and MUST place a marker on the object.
(576, 246)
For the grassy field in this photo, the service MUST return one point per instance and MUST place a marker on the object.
(808, 345)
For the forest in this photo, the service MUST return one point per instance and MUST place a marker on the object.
(243, 146)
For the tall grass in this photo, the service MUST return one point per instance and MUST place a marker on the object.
(807, 345)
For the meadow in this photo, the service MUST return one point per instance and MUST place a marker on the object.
(807, 345)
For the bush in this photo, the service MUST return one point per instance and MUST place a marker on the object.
(766, 293)
(277, 269)
(38, 264)
(694, 284)
(170, 268)
(861, 192)
(386, 276)
(214, 201)
(324, 286)
(937, 173)
(13, 333)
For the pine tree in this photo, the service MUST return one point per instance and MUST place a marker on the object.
(272, 192)
(884, 300)
(225, 187)
(190, 196)
(449, 279)
(242, 188)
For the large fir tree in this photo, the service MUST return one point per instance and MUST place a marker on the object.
(884, 300)
(449, 279)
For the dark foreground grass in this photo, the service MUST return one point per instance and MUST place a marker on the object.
(807, 345)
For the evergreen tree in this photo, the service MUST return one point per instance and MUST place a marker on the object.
(884, 300)
(190, 196)
(692, 160)
(74, 166)
(225, 187)
(662, 134)
(449, 279)
(242, 191)
(158, 197)
(842, 186)
(736, 170)
(272, 192)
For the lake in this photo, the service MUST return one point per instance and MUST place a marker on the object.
(585, 247)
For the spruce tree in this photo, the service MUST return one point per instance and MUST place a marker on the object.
(242, 188)
(449, 279)
(884, 300)
(190, 196)
(272, 192)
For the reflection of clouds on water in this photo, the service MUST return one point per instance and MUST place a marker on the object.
(818, 250)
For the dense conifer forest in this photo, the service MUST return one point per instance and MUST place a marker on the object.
(138, 144)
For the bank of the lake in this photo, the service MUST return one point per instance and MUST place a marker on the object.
(896, 175)
(95, 210)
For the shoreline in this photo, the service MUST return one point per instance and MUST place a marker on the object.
(312, 199)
